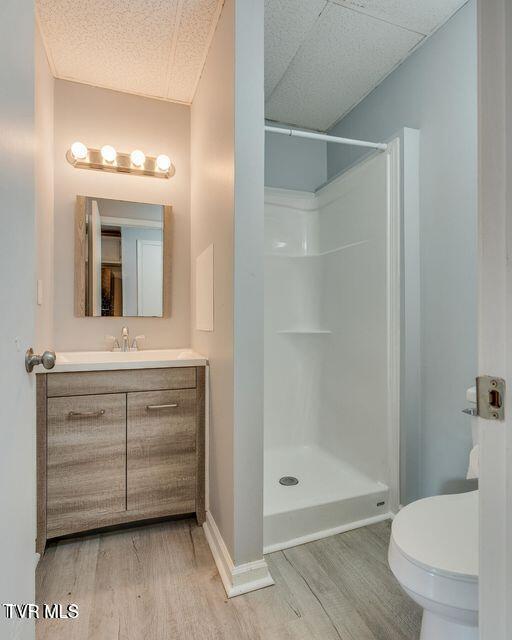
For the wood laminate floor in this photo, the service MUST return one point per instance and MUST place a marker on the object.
(159, 582)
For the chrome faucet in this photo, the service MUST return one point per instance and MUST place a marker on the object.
(126, 339)
(137, 342)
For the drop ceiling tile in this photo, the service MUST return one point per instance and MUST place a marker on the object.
(423, 16)
(286, 24)
(345, 55)
(150, 47)
(196, 23)
(120, 44)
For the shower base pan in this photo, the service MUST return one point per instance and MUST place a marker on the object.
(330, 497)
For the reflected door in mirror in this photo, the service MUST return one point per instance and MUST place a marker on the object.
(122, 254)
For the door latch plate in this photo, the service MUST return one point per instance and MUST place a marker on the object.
(490, 397)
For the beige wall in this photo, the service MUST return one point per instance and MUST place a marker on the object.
(97, 117)
(212, 221)
(43, 95)
(227, 148)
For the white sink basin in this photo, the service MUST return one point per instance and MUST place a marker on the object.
(105, 360)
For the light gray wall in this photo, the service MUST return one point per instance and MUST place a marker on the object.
(97, 117)
(435, 91)
(294, 163)
(248, 285)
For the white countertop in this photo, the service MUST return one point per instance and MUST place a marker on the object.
(112, 360)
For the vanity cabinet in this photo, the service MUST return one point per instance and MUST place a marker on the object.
(119, 446)
(161, 451)
(86, 460)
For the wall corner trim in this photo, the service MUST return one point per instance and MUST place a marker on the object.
(237, 579)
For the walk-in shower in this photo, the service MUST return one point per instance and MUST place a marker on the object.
(332, 352)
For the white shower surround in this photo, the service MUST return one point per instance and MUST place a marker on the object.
(325, 358)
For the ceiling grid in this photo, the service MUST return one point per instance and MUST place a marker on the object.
(322, 57)
(154, 48)
(335, 52)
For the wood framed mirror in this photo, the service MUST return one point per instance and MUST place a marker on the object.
(122, 258)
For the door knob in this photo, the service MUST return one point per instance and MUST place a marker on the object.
(32, 359)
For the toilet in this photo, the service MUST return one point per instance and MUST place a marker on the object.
(433, 553)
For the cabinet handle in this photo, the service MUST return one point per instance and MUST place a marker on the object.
(155, 407)
(86, 414)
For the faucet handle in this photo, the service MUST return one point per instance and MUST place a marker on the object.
(124, 332)
(112, 343)
(138, 343)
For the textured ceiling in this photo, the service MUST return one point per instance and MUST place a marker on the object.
(323, 56)
(150, 47)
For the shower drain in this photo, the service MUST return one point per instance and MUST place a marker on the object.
(288, 481)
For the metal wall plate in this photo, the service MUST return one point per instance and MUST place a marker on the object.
(490, 397)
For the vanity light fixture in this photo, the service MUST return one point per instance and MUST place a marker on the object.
(163, 162)
(108, 159)
(138, 158)
(79, 150)
(108, 153)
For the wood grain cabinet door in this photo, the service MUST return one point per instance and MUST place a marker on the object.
(86, 461)
(161, 452)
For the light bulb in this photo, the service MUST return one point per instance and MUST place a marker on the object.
(79, 150)
(108, 153)
(138, 158)
(163, 162)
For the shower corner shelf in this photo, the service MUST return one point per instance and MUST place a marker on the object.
(304, 331)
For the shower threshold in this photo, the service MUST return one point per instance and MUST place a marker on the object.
(330, 497)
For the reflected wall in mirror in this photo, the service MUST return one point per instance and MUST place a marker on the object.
(122, 258)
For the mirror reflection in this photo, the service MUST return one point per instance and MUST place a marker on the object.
(124, 258)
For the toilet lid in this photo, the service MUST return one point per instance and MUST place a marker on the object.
(441, 533)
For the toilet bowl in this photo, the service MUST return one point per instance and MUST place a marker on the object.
(433, 553)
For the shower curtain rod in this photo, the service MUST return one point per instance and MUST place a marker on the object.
(322, 136)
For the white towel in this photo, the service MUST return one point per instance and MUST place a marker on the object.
(474, 463)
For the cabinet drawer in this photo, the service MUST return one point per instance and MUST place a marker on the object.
(86, 461)
(161, 452)
(95, 382)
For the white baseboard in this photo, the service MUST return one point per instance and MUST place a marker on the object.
(318, 535)
(237, 579)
